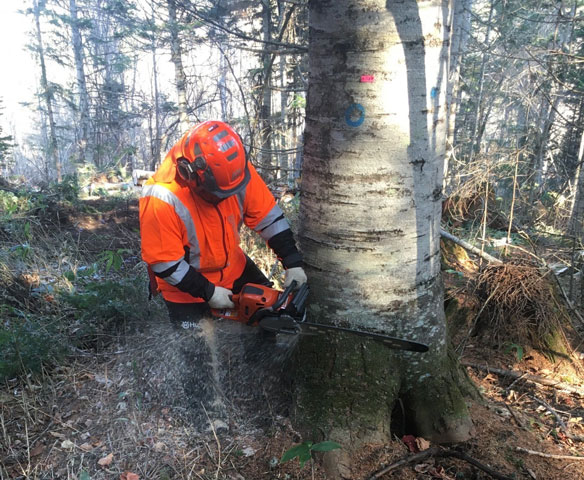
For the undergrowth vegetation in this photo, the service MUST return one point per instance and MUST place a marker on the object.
(70, 272)
(68, 279)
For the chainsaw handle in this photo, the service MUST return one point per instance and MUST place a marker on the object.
(218, 312)
(284, 295)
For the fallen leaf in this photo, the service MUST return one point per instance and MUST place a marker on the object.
(423, 467)
(129, 476)
(56, 434)
(36, 451)
(106, 461)
(86, 447)
(440, 473)
(422, 444)
(67, 445)
(410, 442)
(159, 446)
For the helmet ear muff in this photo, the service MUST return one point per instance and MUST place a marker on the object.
(200, 163)
(188, 170)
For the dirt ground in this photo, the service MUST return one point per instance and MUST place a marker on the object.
(91, 416)
(106, 415)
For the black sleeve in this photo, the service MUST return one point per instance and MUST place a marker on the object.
(284, 247)
(193, 283)
(196, 284)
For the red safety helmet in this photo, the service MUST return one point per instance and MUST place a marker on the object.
(214, 158)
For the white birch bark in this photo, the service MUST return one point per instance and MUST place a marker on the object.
(370, 209)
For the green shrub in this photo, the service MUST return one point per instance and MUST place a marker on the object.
(106, 307)
(27, 342)
(68, 189)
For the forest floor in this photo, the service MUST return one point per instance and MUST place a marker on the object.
(111, 411)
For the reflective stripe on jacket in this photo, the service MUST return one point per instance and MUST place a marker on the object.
(179, 229)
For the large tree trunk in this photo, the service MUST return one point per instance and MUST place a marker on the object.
(370, 213)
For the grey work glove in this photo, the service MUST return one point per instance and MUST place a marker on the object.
(295, 274)
(221, 298)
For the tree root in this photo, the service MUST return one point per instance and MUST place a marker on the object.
(439, 452)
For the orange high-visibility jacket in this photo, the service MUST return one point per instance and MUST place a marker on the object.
(179, 229)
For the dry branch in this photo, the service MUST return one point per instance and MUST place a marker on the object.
(469, 247)
(438, 452)
(527, 377)
(548, 455)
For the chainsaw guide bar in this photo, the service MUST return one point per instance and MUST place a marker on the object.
(285, 312)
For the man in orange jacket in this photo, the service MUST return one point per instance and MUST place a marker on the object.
(191, 211)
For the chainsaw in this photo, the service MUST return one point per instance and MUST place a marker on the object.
(285, 312)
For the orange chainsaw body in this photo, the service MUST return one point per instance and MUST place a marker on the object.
(252, 298)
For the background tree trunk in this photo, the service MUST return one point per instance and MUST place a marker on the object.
(370, 214)
(81, 83)
(475, 136)
(576, 227)
(156, 133)
(46, 91)
(179, 72)
(460, 33)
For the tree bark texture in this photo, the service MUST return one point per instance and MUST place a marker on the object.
(370, 211)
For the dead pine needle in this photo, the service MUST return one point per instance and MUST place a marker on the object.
(519, 306)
